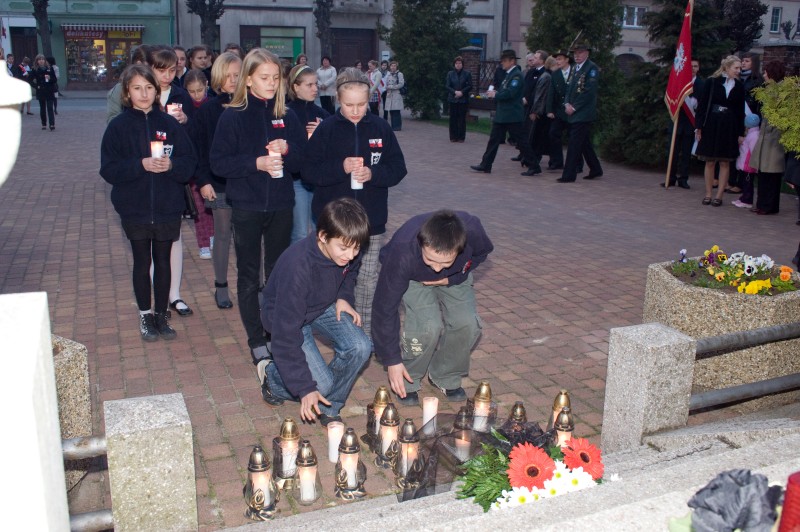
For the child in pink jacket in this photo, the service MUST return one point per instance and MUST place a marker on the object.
(746, 172)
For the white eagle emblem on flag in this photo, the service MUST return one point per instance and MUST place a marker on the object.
(680, 59)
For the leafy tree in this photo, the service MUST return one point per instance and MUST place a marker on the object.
(555, 25)
(322, 14)
(425, 38)
(664, 25)
(744, 22)
(43, 25)
(209, 12)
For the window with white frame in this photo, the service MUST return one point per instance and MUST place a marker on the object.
(632, 16)
(775, 20)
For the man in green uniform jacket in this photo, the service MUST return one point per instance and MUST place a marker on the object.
(509, 116)
(580, 105)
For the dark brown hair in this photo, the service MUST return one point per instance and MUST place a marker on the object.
(344, 218)
(444, 232)
(127, 76)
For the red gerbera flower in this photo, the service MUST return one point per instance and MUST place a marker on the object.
(580, 453)
(529, 467)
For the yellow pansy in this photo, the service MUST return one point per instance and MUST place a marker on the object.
(720, 276)
(714, 249)
(710, 270)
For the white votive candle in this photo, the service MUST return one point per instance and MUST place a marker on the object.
(350, 466)
(277, 173)
(156, 149)
(308, 479)
(462, 449)
(335, 433)
(480, 417)
(388, 435)
(378, 409)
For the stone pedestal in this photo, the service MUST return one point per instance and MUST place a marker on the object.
(74, 406)
(702, 312)
(648, 384)
(151, 463)
(31, 461)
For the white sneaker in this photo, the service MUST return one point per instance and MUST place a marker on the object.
(741, 205)
(205, 253)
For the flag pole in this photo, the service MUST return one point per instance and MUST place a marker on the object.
(671, 151)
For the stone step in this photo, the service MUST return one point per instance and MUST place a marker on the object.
(653, 486)
(740, 432)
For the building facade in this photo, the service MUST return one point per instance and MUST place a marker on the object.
(92, 38)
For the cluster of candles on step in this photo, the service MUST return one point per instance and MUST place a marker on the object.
(295, 467)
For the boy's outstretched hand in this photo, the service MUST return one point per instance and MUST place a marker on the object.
(309, 406)
(397, 373)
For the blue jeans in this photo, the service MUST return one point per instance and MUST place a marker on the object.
(301, 214)
(351, 350)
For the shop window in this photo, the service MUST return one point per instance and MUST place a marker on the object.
(286, 43)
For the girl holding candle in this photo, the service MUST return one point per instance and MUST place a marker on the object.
(355, 154)
(177, 103)
(257, 137)
(147, 191)
(303, 91)
(224, 76)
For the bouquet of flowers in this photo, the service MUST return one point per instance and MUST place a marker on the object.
(498, 479)
(740, 272)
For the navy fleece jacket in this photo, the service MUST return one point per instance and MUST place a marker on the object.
(401, 261)
(140, 196)
(202, 131)
(335, 139)
(241, 137)
(302, 285)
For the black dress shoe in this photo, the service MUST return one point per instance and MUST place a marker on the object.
(479, 168)
(517, 159)
(181, 311)
(593, 175)
(562, 180)
(684, 183)
(672, 183)
(531, 171)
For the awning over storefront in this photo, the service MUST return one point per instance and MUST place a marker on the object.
(102, 27)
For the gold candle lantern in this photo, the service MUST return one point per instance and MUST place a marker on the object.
(387, 448)
(374, 412)
(408, 466)
(564, 426)
(482, 407)
(516, 420)
(260, 492)
(350, 470)
(561, 400)
(308, 487)
(284, 453)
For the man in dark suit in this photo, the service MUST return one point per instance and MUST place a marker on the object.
(580, 105)
(684, 136)
(510, 114)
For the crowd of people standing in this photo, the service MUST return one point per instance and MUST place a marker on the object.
(303, 195)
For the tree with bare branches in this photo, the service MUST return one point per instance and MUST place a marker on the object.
(43, 25)
(209, 12)
(322, 14)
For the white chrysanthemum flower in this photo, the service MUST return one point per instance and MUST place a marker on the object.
(561, 470)
(552, 489)
(580, 479)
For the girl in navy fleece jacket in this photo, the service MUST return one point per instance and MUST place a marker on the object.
(357, 143)
(258, 140)
(147, 191)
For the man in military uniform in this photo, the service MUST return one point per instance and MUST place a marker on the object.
(555, 109)
(580, 106)
(509, 116)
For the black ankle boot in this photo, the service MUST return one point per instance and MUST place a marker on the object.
(162, 325)
(147, 328)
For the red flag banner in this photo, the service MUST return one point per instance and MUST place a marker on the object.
(680, 75)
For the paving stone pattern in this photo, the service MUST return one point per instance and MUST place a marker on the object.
(570, 262)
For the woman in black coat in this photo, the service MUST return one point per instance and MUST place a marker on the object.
(44, 80)
(720, 125)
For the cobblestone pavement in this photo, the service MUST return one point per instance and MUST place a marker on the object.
(569, 264)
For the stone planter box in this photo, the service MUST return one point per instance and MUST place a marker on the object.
(74, 407)
(702, 312)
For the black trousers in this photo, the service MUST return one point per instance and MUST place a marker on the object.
(580, 146)
(682, 155)
(47, 104)
(769, 191)
(251, 229)
(540, 138)
(458, 121)
(498, 135)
